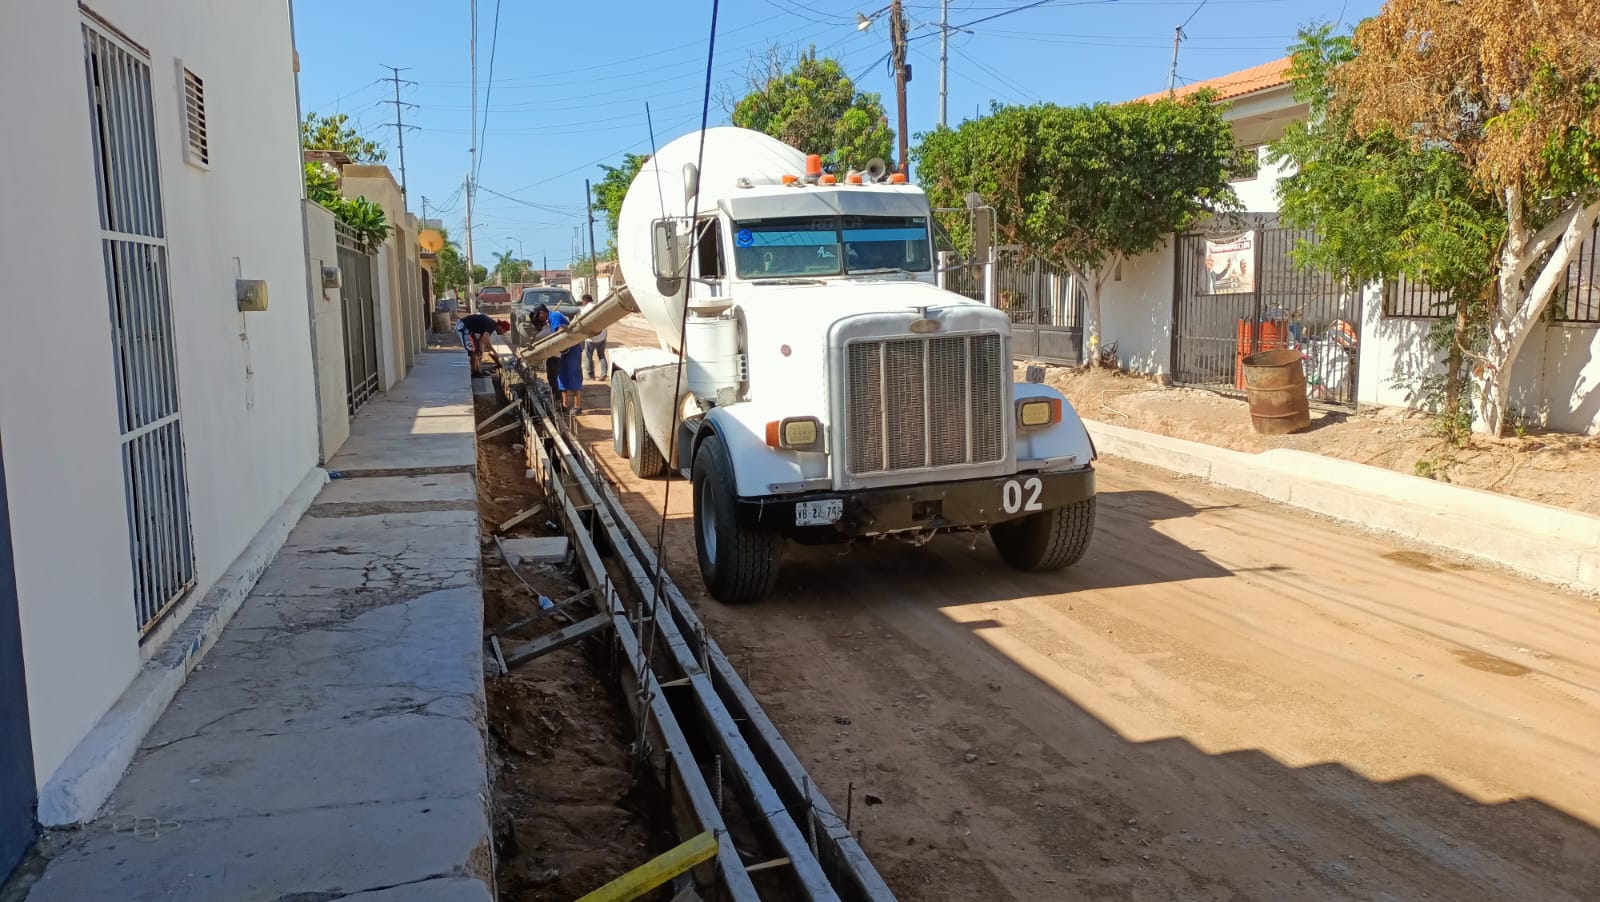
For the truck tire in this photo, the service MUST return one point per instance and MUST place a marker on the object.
(619, 413)
(739, 565)
(644, 458)
(1046, 541)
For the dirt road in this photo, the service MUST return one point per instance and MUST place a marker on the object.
(1225, 700)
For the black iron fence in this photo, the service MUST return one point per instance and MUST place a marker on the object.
(1238, 291)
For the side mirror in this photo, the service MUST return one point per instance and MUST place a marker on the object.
(670, 248)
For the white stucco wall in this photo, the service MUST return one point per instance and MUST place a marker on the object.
(1259, 195)
(245, 380)
(1137, 312)
(327, 310)
(1395, 355)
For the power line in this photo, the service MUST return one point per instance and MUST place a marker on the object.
(1193, 14)
(488, 91)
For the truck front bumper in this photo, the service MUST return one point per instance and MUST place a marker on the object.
(968, 504)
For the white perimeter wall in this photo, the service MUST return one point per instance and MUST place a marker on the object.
(245, 380)
(1136, 312)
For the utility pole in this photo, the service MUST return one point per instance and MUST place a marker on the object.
(1172, 75)
(472, 294)
(944, 59)
(594, 261)
(399, 122)
(902, 74)
(472, 156)
(424, 209)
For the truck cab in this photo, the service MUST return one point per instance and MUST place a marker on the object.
(830, 390)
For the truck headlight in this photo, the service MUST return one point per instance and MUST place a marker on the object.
(1037, 413)
(795, 434)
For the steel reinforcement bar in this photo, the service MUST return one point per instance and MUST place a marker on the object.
(701, 718)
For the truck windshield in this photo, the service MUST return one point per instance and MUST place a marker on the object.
(786, 248)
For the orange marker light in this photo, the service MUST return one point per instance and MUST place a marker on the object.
(813, 164)
(790, 179)
(853, 178)
(828, 179)
(772, 434)
(897, 178)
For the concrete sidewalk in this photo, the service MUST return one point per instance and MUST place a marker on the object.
(331, 745)
(1548, 543)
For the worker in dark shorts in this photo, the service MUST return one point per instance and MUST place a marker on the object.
(567, 372)
(476, 330)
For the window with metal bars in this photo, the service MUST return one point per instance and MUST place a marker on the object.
(1578, 298)
(197, 144)
(1407, 299)
(144, 348)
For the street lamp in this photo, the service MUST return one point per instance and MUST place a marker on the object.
(520, 254)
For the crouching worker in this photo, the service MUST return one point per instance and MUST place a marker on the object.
(476, 330)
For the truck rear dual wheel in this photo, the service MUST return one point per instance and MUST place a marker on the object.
(629, 438)
(1046, 541)
(738, 564)
(619, 413)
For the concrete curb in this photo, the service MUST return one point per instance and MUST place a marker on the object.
(75, 792)
(1547, 543)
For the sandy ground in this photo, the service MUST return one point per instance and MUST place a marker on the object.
(1225, 700)
(568, 814)
(1553, 468)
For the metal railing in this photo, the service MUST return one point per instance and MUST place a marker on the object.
(1578, 299)
(134, 248)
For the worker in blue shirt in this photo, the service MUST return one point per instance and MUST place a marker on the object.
(569, 372)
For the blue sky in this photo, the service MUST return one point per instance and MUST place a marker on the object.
(571, 80)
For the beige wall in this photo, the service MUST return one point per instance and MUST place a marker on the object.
(398, 282)
(327, 331)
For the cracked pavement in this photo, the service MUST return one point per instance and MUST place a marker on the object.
(331, 745)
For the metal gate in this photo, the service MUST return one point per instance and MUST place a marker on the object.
(1045, 304)
(1237, 291)
(360, 321)
(134, 247)
(17, 797)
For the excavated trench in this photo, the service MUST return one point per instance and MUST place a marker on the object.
(569, 813)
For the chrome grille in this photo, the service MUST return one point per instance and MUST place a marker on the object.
(914, 403)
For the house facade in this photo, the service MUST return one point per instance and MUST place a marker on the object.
(164, 402)
(1191, 309)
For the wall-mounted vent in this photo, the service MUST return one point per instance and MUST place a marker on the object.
(197, 146)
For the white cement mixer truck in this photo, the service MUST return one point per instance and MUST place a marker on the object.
(830, 390)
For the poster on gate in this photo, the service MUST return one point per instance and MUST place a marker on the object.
(1229, 267)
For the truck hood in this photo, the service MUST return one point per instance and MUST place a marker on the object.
(788, 329)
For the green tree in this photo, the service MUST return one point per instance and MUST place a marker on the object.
(452, 269)
(610, 191)
(1383, 209)
(815, 108)
(1511, 90)
(1085, 187)
(336, 133)
(508, 268)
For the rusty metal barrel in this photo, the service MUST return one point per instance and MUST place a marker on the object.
(1275, 386)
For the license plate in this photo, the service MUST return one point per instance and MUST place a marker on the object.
(818, 513)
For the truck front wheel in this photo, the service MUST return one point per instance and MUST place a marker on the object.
(739, 565)
(1048, 540)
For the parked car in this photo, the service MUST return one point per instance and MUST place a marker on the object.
(557, 299)
(494, 299)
